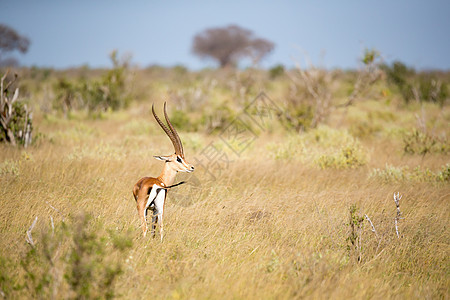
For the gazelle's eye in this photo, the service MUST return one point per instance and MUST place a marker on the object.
(178, 159)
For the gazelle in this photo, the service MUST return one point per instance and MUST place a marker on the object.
(149, 192)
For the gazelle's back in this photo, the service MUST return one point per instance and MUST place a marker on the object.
(144, 185)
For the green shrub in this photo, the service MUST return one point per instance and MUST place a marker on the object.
(276, 71)
(432, 89)
(16, 124)
(297, 117)
(325, 147)
(96, 95)
(417, 142)
(364, 129)
(400, 75)
(397, 174)
(425, 86)
(444, 174)
(370, 56)
(182, 121)
(219, 118)
(74, 260)
(67, 93)
(388, 174)
(9, 167)
(349, 156)
(308, 99)
(354, 238)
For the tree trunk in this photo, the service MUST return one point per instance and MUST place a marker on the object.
(10, 136)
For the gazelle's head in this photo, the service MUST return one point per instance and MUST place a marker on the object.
(176, 161)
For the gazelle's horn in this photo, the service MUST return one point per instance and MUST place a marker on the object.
(174, 132)
(168, 132)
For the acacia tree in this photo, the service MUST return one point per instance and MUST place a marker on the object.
(10, 40)
(228, 45)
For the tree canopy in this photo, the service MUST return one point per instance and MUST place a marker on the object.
(227, 45)
(10, 40)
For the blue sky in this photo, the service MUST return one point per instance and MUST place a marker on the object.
(330, 34)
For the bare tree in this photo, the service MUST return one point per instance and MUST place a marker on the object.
(229, 44)
(10, 40)
(259, 48)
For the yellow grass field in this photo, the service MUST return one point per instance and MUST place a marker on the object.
(282, 219)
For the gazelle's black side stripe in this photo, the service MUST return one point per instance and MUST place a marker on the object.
(167, 187)
(156, 196)
(174, 185)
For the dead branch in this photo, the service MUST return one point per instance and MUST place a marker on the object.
(29, 238)
(397, 218)
(57, 210)
(371, 224)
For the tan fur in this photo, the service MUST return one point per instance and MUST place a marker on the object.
(140, 192)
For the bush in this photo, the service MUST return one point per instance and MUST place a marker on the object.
(308, 100)
(108, 92)
(349, 156)
(420, 86)
(15, 118)
(218, 119)
(182, 121)
(399, 75)
(417, 142)
(276, 71)
(364, 129)
(432, 89)
(73, 260)
(298, 117)
(325, 147)
(67, 93)
(397, 174)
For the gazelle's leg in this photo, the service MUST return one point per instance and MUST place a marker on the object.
(159, 209)
(154, 221)
(142, 215)
(161, 226)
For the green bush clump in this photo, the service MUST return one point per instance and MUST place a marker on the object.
(336, 148)
(444, 174)
(349, 156)
(308, 100)
(432, 89)
(218, 119)
(109, 92)
(16, 124)
(20, 123)
(364, 129)
(417, 142)
(423, 86)
(298, 117)
(396, 174)
(276, 71)
(325, 147)
(67, 96)
(181, 120)
(9, 167)
(74, 260)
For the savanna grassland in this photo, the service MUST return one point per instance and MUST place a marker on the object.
(279, 212)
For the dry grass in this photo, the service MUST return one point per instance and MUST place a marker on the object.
(268, 227)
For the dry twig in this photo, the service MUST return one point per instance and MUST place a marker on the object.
(371, 224)
(29, 238)
(397, 218)
(57, 210)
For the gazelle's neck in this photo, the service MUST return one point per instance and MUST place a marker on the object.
(167, 175)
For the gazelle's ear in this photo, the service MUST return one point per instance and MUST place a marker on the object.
(163, 158)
